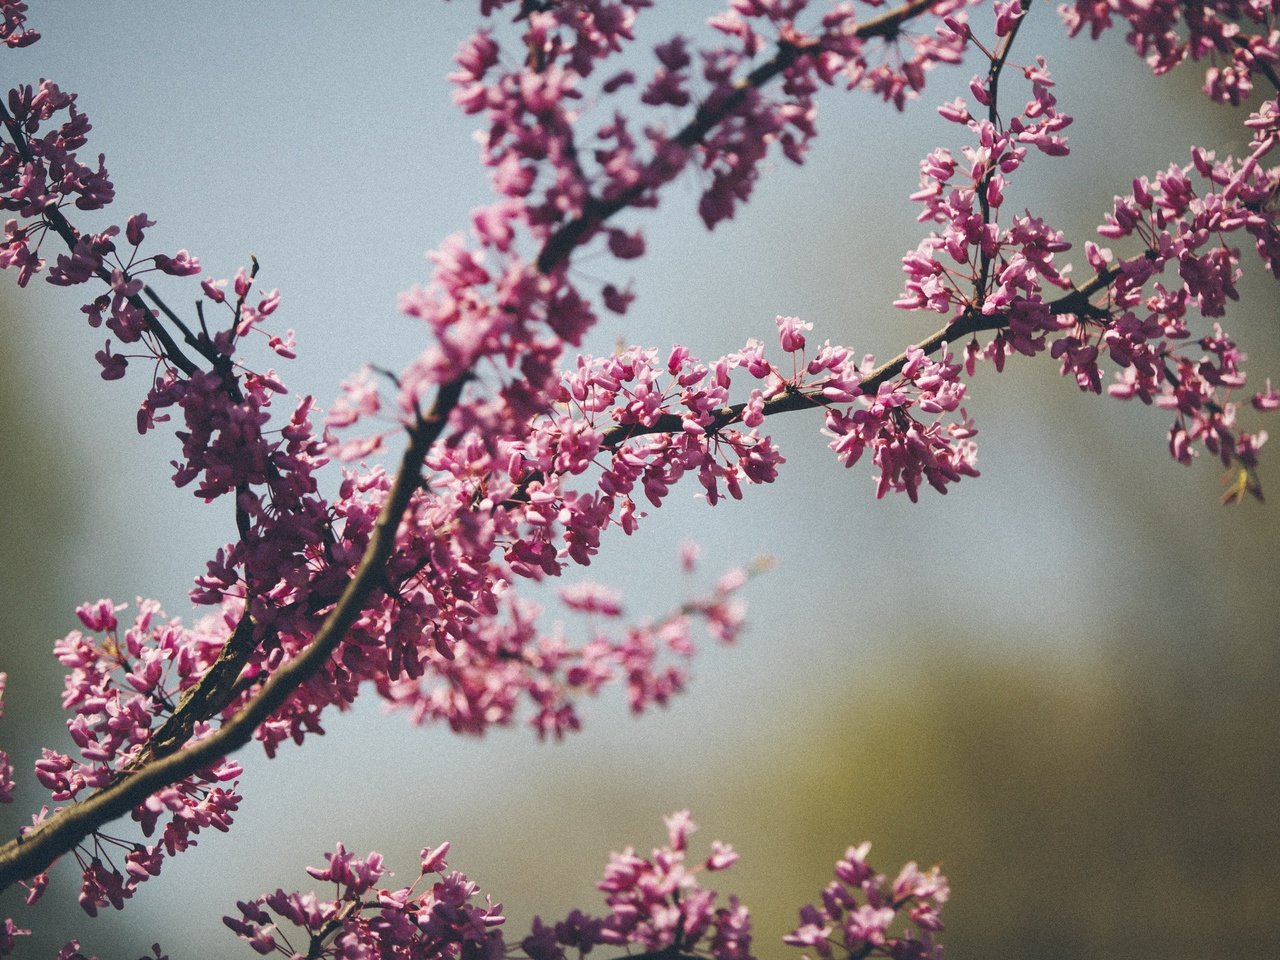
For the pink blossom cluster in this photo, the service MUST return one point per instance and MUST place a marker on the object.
(225, 443)
(859, 907)
(45, 174)
(1239, 38)
(119, 688)
(525, 461)
(511, 660)
(906, 450)
(973, 264)
(437, 922)
(560, 188)
(124, 685)
(987, 276)
(1147, 334)
(648, 422)
(13, 32)
(40, 176)
(655, 903)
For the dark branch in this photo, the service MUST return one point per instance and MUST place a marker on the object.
(595, 211)
(33, 853)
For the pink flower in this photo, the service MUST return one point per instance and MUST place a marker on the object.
(791, 333)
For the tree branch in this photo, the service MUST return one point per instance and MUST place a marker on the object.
(35, 852)
(55, 218)
(595, 211)
(993, 117)
(1075, 302)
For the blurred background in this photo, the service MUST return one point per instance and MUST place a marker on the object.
(1059, 681)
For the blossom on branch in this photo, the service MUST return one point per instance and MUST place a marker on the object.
(522, 455)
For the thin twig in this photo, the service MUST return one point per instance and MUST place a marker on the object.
(595, 211)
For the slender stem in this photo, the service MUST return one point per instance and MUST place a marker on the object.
(595, 211)
(993, 115)
(54, 217)
(164, 308)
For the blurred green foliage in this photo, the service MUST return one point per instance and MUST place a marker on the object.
(43, 473)
(1081, 808)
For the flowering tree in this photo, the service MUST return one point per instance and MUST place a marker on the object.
(517, 451)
